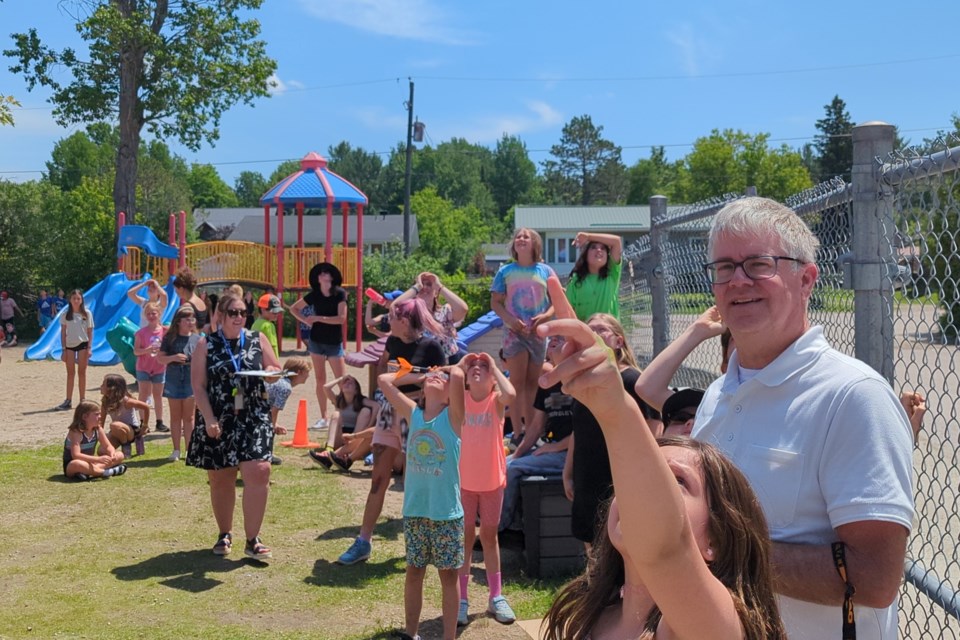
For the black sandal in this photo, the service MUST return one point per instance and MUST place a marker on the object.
(224, 544)
(257, 550)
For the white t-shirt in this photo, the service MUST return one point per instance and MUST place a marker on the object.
(824, 442)
(77, 328)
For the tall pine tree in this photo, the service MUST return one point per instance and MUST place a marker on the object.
(834, 143)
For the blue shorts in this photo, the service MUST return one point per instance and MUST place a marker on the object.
(178, 385)
(515, 343)
(45, 321)
(326, 350)
(143, 376)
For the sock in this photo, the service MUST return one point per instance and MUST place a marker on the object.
(493, 579)
(367, 539)
(464, 581)
(109, 472)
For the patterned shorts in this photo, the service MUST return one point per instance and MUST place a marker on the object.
(436, 542)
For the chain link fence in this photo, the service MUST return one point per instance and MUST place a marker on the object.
(888, 293)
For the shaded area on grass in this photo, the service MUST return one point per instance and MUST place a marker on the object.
(389, 529)
(184, 570)
(358, 576)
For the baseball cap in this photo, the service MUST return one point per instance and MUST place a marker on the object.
(270, 302)
(679, 401)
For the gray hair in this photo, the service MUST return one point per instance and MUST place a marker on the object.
(758, 217)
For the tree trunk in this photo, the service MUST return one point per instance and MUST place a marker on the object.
(131, 119)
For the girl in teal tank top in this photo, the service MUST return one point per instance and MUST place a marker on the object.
(432, 513)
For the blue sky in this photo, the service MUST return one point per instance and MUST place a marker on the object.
(649, 73)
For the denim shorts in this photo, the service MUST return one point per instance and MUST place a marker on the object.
(178, 385)
(326, 350)
(157, 378)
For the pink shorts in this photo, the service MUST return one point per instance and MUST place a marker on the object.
(486, 504)
(389, 437)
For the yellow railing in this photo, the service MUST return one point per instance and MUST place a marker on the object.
(253, 263)
(135, 264)
(298, 262)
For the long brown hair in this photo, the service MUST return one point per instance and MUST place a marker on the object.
(581, 269)
(82, 411)
(116, 392)
(624, 354)
(741, 542)
(83, 308)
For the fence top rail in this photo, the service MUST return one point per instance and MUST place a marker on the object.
(697, 211)
(902, 168)
(822, 197)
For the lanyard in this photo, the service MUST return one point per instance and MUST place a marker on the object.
(849, 631)
(237, 360)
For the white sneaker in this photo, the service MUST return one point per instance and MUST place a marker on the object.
(174, 457)
(320, 424)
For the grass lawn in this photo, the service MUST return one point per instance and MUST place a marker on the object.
(129, 557)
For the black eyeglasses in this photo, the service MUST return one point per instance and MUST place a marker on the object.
(235, 313)
(755, 268)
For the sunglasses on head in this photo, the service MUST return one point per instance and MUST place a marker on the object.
(235, 313)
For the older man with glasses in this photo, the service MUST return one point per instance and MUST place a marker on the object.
(821, 436)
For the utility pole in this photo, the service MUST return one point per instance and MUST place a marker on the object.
(407, 176)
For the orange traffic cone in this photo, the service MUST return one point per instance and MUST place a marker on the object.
(300, 438)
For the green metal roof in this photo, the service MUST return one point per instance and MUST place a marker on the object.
(599, 218)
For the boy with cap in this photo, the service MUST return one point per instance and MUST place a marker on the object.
(679, 411)
(270, 309)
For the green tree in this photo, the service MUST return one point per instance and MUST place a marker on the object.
(83, 230)
(587, 168)
(651, 176)
(360, 167)
(513, 178)
(76, 157)
(172, 67)
(6, 109)
(283, 170)
(730, 161)
(163, 186)
(834, 143)
(451, 235)
(208, 188)
(249, 187)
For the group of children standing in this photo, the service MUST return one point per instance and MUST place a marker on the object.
(455, 477)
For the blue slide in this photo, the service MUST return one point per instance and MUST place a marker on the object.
(108, 302)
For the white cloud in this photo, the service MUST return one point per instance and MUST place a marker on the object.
(407, 19)
(490, 129)
(688, 47)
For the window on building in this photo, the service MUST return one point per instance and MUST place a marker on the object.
(561, 251)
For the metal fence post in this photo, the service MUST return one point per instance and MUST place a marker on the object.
(873, 232)
(658, 287)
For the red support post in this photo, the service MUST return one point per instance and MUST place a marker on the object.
(172, 239)
(299, 243)
(280, 264)
(360, 288)
(183, 239)
(344, 243)
(328, 241)
(121, 220)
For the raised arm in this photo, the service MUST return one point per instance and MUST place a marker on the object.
(401, 403)
(457, 304)
(328, 389)
(653, 385)
(615, 243)
(654, 525)
(133, 295)
(457, 403)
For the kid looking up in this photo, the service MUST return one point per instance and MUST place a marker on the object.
(483, 475)
(151, 371)
(432, 514)
(176, 351)
(81, 460)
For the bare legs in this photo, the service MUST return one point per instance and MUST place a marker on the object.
(413, 600)
(223, 495)
(383, 458)
(152, 390)
(181, 421)
(524, 372)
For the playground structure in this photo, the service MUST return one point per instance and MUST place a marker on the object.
(141, 255)
(262, 265)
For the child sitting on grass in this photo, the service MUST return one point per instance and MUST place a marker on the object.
(81, 460)
(432, 514)
(356, 415)
(129, 417)
(279, 392)
(483, 475)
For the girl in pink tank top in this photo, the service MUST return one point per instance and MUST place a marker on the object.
(483, 475)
